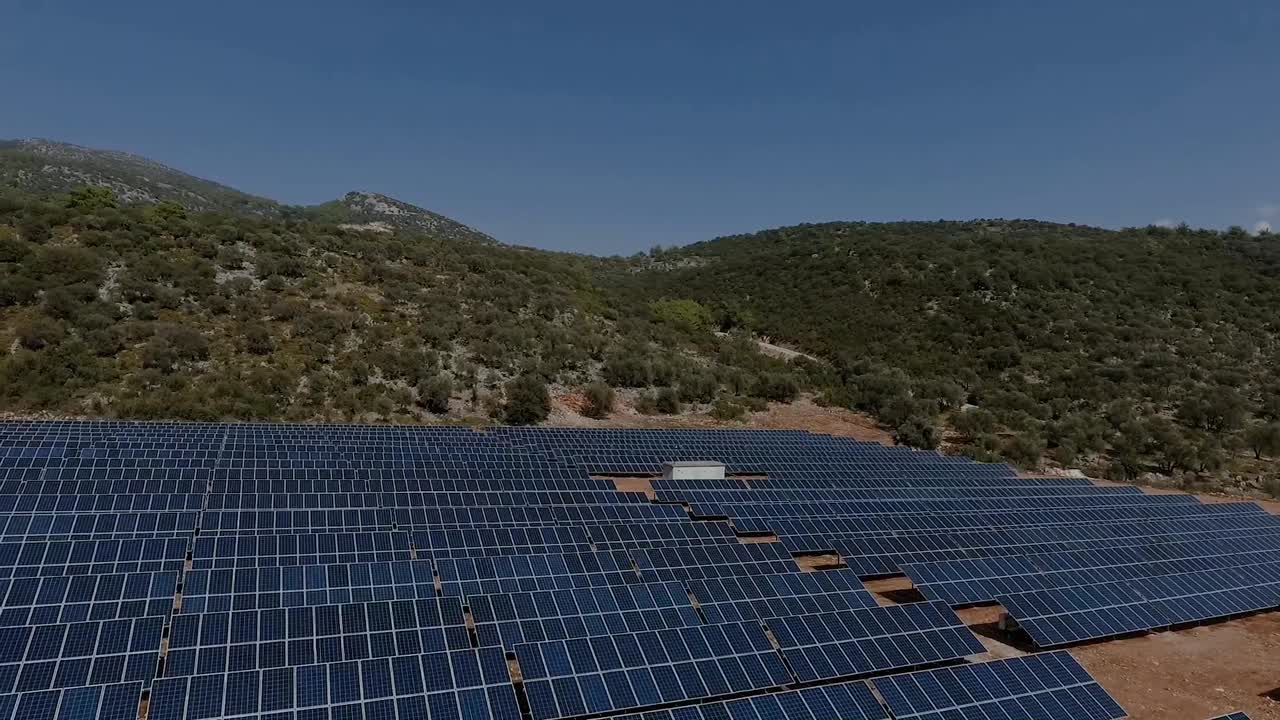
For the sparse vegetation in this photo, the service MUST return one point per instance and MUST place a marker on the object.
(1023, 341)
(527, 401)
(600, 399)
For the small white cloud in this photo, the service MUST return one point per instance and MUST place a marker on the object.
(1165, 223)
(1262, 226)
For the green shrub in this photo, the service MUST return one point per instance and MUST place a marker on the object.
(600, 399)
(698, 386)
(974, 422)
(726, 410)
(172, 345)
(918, 431)
(627, 370)
(434, 393)
(667, 401)
(777, 387)
(1024, 450)
(528, 402)
(36, 332)
(257, 339)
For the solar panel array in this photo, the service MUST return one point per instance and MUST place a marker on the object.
(310, 572)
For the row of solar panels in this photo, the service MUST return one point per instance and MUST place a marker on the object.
(674, 619)
(1046, 687)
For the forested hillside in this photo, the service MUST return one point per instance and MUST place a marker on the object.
(1157, 347)
(153, 311)
(1125, 352)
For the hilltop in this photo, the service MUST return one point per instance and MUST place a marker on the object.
(146, 292)
(46, 166)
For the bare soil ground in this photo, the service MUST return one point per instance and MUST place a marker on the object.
(803, 414)
(635, 484)
(1198, 672)
(1186, 674)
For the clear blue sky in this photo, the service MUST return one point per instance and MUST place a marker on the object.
(610, 127)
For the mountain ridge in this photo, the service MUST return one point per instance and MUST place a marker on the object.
(43, 165)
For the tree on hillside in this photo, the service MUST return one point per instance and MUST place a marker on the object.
(528, 402)
(1263, 439)
(918, 431)
(687, 315)
(434, 393)
(600, 400)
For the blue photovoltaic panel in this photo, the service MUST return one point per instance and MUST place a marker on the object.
(67, 599)
(33, 558)
(459, 684)
(961, 582)
(567, 678)
(271, 587)
(1231, 716)
(842, 701)
(711, 561)
(524, 573)
(510, 619)
(95, 652)
(872, 640)
(1066, 615)
(236, 551)
(216, 642)
(317, 560)
(757, 597)
(1051, 686)
(105, 702)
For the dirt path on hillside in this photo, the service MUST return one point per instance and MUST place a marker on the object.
(803, 414)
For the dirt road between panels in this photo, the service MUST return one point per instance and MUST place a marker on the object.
(1189, 674)
(1199, 672)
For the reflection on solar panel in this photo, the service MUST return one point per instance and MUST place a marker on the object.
(1052, 686)
(310, 571)
(1231, 716)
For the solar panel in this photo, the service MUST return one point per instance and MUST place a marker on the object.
(93, 652)
(217, 642)
(104, 702)
(457, 684)
(872, 640)
(1231, 716)
(525, 573)
(1062, 616)
(1050, 686)
(273, 587)
(757, 597)
(566, 678)
(68, 599)
(842, 701)
(344, 571)
(960, 582)
(710, 561)
(509, 619)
